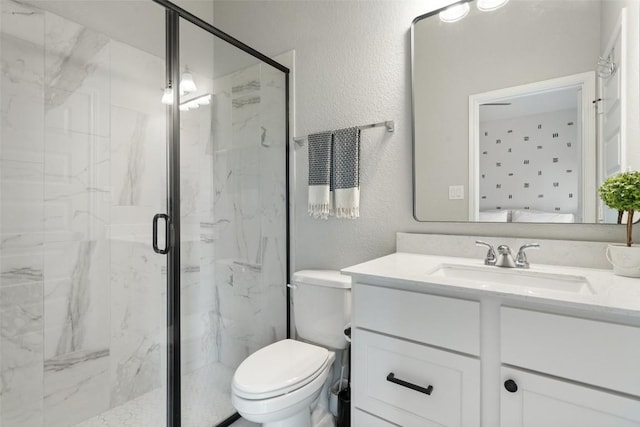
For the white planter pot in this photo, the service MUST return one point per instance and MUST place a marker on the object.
(625, 260)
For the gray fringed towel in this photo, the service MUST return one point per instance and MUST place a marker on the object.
(346, 172)
(320, 159)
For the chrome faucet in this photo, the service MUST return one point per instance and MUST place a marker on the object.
(504, 256)
(490, 259)
(521, 257)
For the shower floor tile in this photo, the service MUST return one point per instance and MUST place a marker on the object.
(206, 402)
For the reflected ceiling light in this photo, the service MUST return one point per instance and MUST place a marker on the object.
(187, 85)
(204, 99)
(195, 103)
(454, 13)
(167, 96)
(489, 5)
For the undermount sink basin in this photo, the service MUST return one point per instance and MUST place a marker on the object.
(524, 279)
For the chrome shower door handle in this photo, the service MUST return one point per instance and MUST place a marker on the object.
(167, 244)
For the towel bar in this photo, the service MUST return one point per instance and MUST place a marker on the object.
(390, 125)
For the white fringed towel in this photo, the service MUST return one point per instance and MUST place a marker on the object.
(346, 172)
(320, 159)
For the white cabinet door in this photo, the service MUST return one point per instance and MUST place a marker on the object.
(543, 401)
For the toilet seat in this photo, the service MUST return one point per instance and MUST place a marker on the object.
(278, 369)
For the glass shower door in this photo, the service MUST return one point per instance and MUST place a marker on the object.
(233, 217)
(82, 173)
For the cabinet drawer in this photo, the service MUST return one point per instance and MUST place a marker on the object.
(454, 399)
(362, 419)
(443, 322)
(589, 351)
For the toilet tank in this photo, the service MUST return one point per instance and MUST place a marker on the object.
(322, 306)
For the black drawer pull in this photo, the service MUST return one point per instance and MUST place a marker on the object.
(392, 378)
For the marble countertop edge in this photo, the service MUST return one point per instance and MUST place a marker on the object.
(614, 295)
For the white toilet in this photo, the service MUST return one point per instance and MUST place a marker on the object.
(279, 385)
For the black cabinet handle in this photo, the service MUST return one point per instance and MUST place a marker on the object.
(511, 386)
(392, 378)
(156, 217)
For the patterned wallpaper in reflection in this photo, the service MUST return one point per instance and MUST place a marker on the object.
(530, 162)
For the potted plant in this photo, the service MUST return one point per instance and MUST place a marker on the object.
(622, 193)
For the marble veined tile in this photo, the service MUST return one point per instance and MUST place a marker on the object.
(21, 309)
(22, 21)
(21, 381)
(76, 300)
(245, 81)
(248, 317)
(221, 108)
(21, 128)
(272, 116)
(138, 159)
(21, 86)
(21, 206)
(77, 79)
(22, 265)
(76, 387)
(138, 320)
(199, 340)
(246, 121)
(137, 78)
(77, 186)
(21, 135)
(22, 63)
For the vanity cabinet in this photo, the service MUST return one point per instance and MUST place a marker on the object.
(397, 377)
(589, 371)
(529, 399)
(422, 359)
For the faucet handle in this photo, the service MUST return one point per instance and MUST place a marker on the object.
(491, 258)
(521, 257)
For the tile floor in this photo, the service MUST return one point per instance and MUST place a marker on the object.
(206, 391)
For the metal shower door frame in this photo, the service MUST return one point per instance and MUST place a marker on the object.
(173, 14)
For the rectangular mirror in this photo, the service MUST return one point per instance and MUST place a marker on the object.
(520, 112)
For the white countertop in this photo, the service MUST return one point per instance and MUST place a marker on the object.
(608, 293)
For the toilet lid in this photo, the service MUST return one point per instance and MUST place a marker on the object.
(278, 368)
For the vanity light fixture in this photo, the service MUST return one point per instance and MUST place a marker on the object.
(489, 5)
(187, 85)
(454, 13)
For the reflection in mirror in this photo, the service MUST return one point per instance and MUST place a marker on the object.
(521, 112)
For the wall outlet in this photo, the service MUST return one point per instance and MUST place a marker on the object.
(456, 192)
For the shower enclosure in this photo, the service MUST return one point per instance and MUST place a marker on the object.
(98, 326)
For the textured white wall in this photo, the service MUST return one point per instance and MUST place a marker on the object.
(353, 67)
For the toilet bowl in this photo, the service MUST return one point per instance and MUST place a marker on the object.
(280, 384)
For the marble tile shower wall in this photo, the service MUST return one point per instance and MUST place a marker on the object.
(249, 208)
(82, 170)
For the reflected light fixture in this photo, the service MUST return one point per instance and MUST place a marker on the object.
(455, 13)
(196, 102)
(489, 5)
(187, 85)
(167, 96)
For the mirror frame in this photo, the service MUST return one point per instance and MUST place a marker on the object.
(413, 135)
(413, 106)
